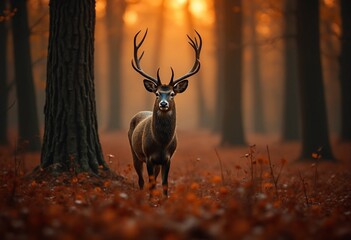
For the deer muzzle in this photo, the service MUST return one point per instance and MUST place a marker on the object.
(163, 105)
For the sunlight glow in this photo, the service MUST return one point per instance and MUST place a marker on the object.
(100, 7)
(263, 30)
(329, 3)
(130, 17)
(203, 11)
(198, 7)
(176, 4)
(263, 24)
(336, 29)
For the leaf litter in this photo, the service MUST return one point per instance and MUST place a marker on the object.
(251, 197)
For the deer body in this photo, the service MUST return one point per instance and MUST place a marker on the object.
(153, 141)
(152, 135)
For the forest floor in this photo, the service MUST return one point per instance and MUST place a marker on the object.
(214, 193)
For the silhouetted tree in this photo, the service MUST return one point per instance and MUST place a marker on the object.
(219, 13)
(27, 109)
(71, 140)
(345, 69)
(232, 127)
(203, 111)
(3, 79)
(114, 22)
(258, 114)
(313, 110)
(291, 113)
(157, 46)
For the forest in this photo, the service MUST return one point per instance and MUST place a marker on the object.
(91, 144)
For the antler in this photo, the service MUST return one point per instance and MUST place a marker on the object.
(136, 60)
(196, 67)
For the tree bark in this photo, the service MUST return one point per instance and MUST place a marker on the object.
(232, 127)
(26, 101)
(71, 137)
(345, 70)
(314, 118)
(291, 113)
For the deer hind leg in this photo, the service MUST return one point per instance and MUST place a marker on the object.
(138, 166)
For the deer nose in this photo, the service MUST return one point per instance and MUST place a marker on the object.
(164, 105)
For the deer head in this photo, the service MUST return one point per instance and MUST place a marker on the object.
(166, 92)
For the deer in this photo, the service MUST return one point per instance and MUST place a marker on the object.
(152, 134)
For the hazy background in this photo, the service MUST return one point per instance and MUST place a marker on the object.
(168, 22)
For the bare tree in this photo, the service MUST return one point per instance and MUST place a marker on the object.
(345, 70)
(232, 126)
(203, 111)
(220, 36)
(315, 136)
(26, 101)
(291, 114)
(114, 21)
(258, 113)
(3, 79)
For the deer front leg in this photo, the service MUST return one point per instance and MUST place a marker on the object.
(165, 171)
(151, 172)
(138, 165)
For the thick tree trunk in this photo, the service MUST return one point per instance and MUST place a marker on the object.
(291, 113)
(314, 118)
(3, 79)
(27, 109)
(232, 127)
(71, 133)
(345, 70)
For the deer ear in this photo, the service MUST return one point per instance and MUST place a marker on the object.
(150, 86)
(180, 86)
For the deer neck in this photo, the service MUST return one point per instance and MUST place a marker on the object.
(163, 125)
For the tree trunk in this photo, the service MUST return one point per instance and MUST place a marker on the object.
(71, 138)
(291, 113)
(232, 127)
(345, 70)
(114, 23)
(219, 11)
(26, 102)
(157, 47)
(258, 115)
(313, 109)
(204, 118)
(3, 79)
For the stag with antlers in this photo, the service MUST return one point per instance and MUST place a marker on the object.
(152, 135)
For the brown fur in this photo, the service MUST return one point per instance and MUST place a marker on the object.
(153, 141)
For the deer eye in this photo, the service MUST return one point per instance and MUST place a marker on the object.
(157, 94)
(172, 94)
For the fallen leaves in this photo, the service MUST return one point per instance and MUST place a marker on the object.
(200, 205)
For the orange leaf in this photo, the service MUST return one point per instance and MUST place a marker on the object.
(216, 179)
(194, 186)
